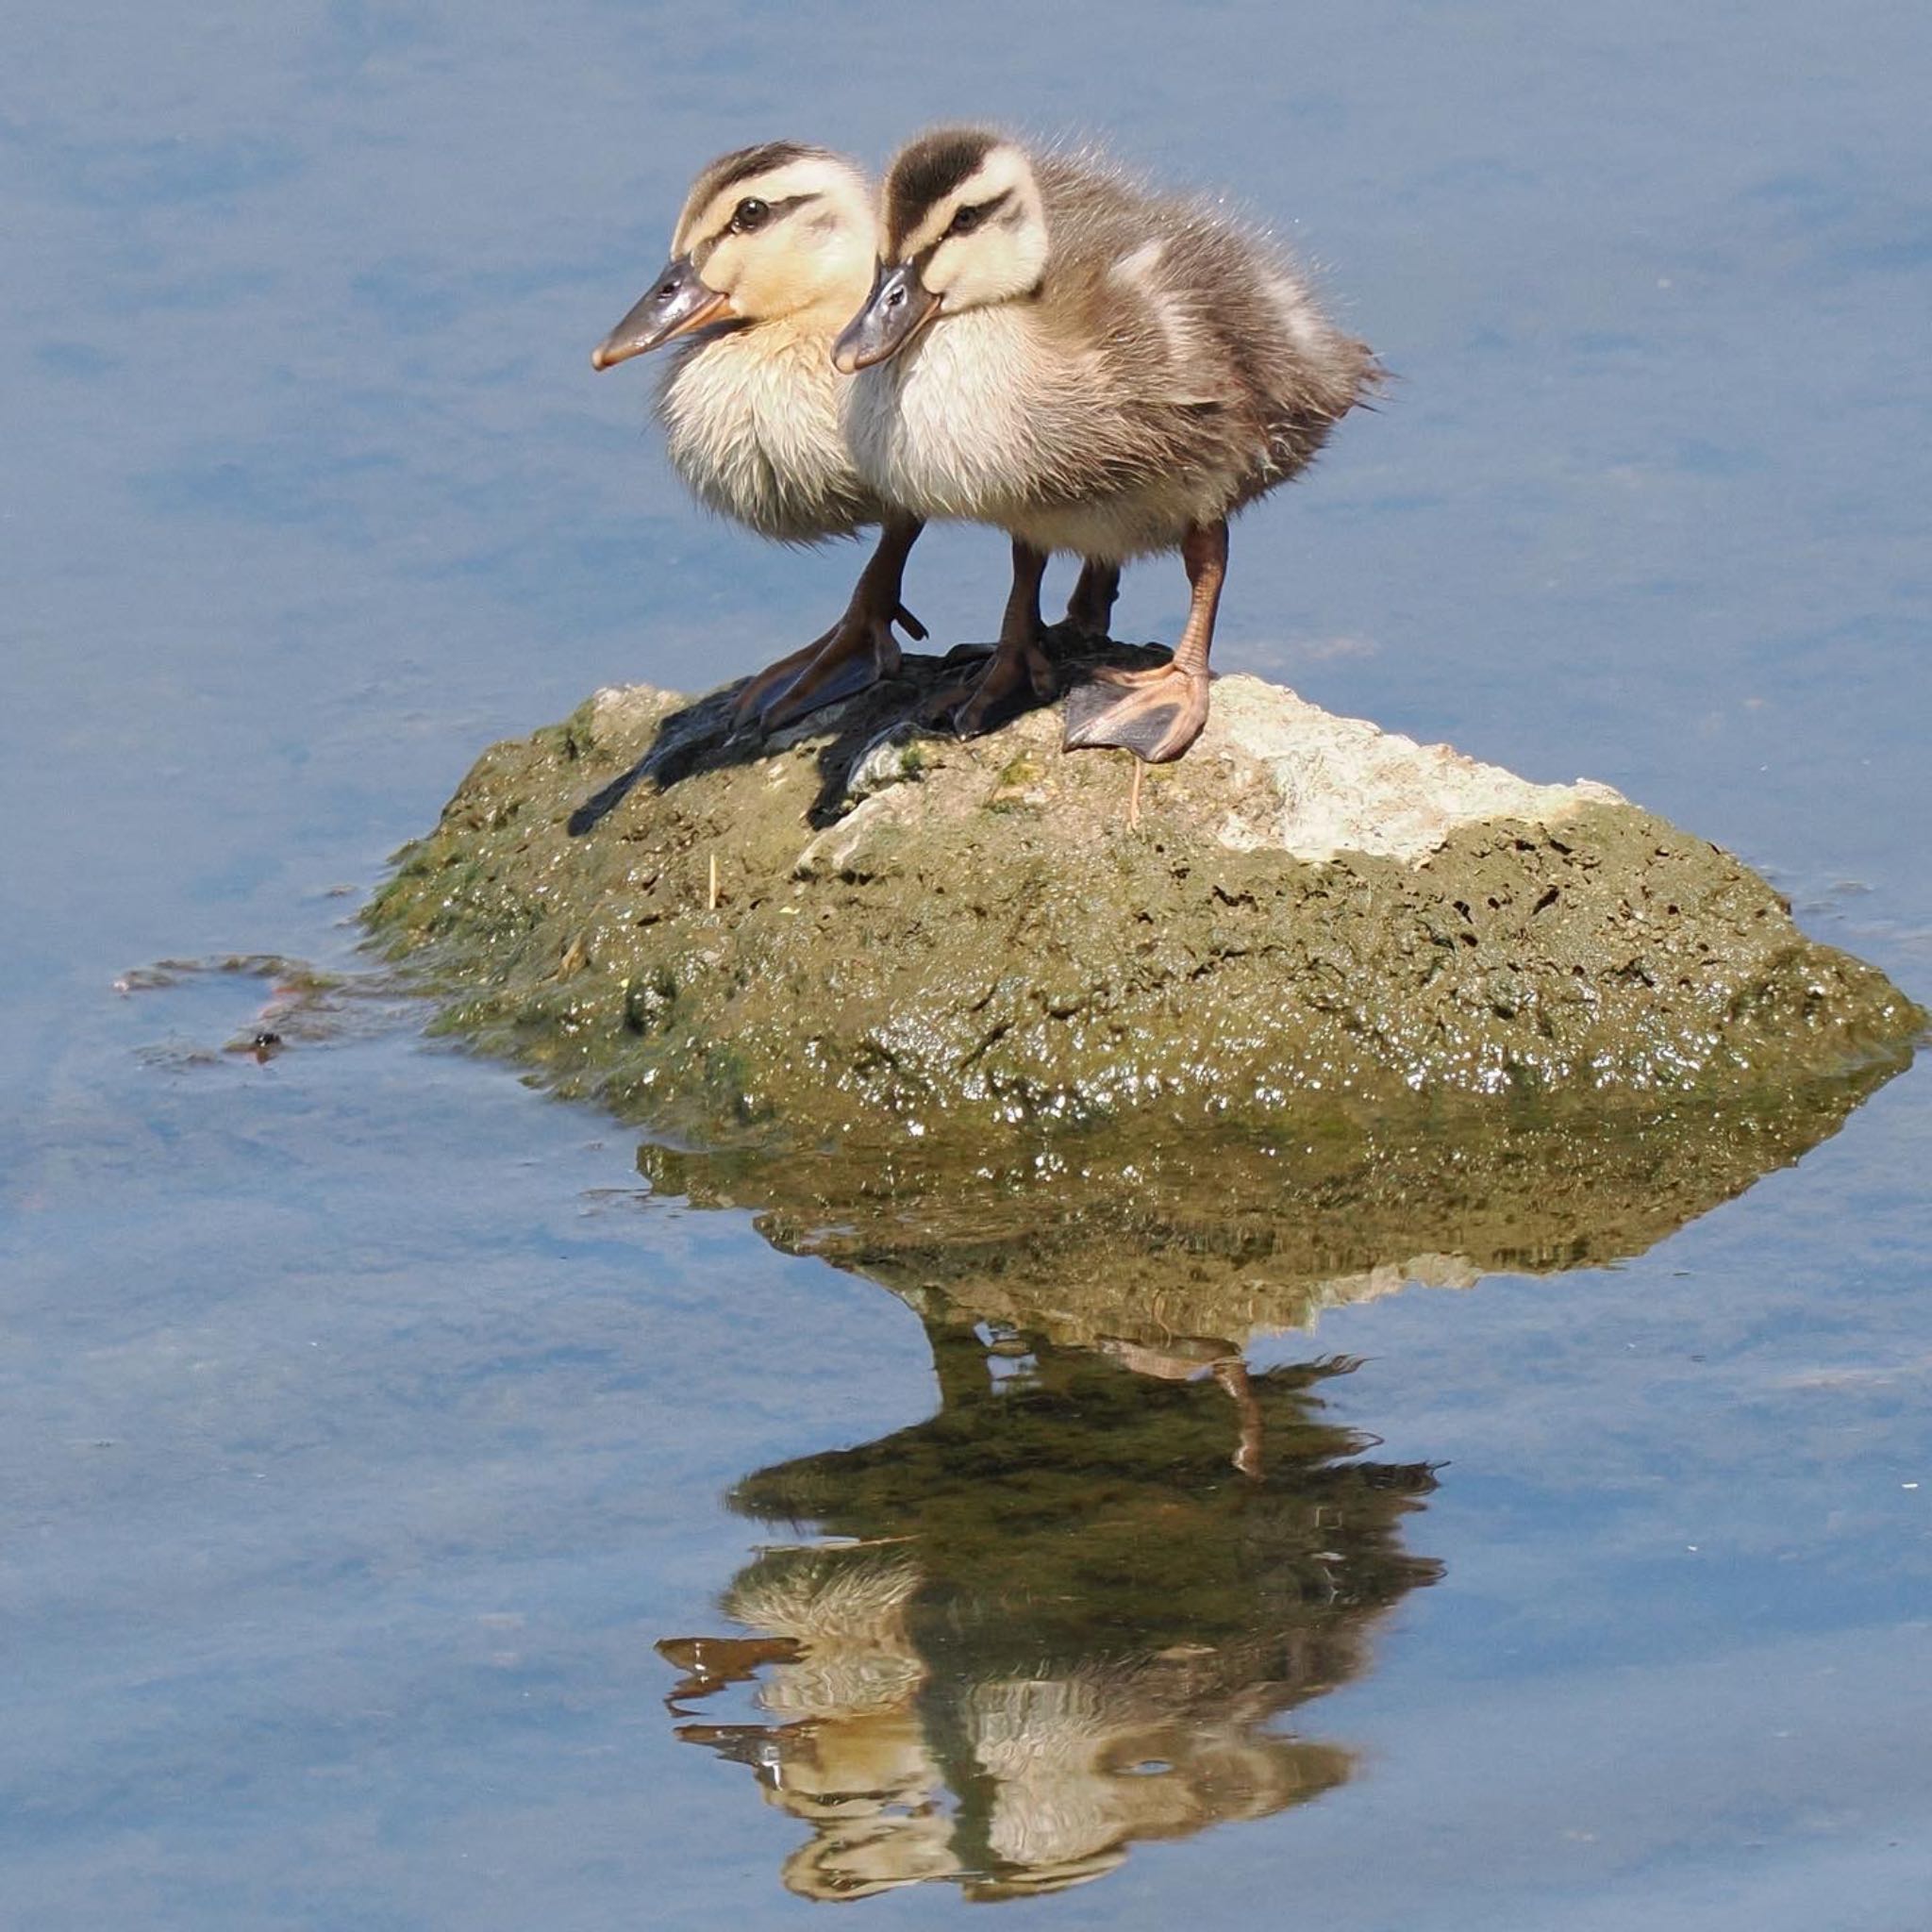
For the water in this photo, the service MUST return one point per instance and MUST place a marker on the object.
(369, 1422)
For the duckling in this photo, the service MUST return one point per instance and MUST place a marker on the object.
(1092, 367)
(773, 249)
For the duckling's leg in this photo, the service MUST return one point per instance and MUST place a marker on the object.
(1157, 715)
(1017, 676)
(1090, 610)
(854, 653)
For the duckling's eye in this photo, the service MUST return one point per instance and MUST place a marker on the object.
(750, 215)
(966, 221)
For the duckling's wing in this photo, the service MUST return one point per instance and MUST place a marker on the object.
(1212, 353)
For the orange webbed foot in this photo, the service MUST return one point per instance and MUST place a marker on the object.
(1154, 714)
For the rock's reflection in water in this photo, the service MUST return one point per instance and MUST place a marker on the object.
(1072, 1610)
(1066, 1620)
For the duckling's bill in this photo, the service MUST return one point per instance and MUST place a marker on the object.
(678, 301)
(898, 308)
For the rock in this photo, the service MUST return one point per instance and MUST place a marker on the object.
(868, 934)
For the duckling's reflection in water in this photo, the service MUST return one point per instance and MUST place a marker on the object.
(1070, 1612)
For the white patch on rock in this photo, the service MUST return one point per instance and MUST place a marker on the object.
(621, 710)
(835, 849)
(1345, 784)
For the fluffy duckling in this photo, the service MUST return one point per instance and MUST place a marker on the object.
(774, 248)
(1094, 368)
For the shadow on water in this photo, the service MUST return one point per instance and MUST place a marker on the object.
(1068, 1611)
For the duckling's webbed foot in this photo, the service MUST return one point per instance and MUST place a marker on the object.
(1154, 714)
(775, 680)
(1018, 675)
(1016, 679)
(1157, 714)
(853, 657)
(857, 653)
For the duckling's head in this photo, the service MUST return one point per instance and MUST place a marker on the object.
(767, 232)
(963, 226)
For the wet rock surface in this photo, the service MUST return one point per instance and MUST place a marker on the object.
(865, 930)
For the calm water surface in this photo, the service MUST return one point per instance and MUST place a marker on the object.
(416, 1515)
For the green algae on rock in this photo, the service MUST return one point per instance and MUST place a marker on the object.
(861, 929)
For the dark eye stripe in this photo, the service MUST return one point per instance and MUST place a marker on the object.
(777, 210)
(983, 212)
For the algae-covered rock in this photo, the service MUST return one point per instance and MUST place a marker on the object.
(863, 928)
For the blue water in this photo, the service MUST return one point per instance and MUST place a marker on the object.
(366, 1421)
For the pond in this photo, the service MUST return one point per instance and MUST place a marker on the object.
(426, 1505)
